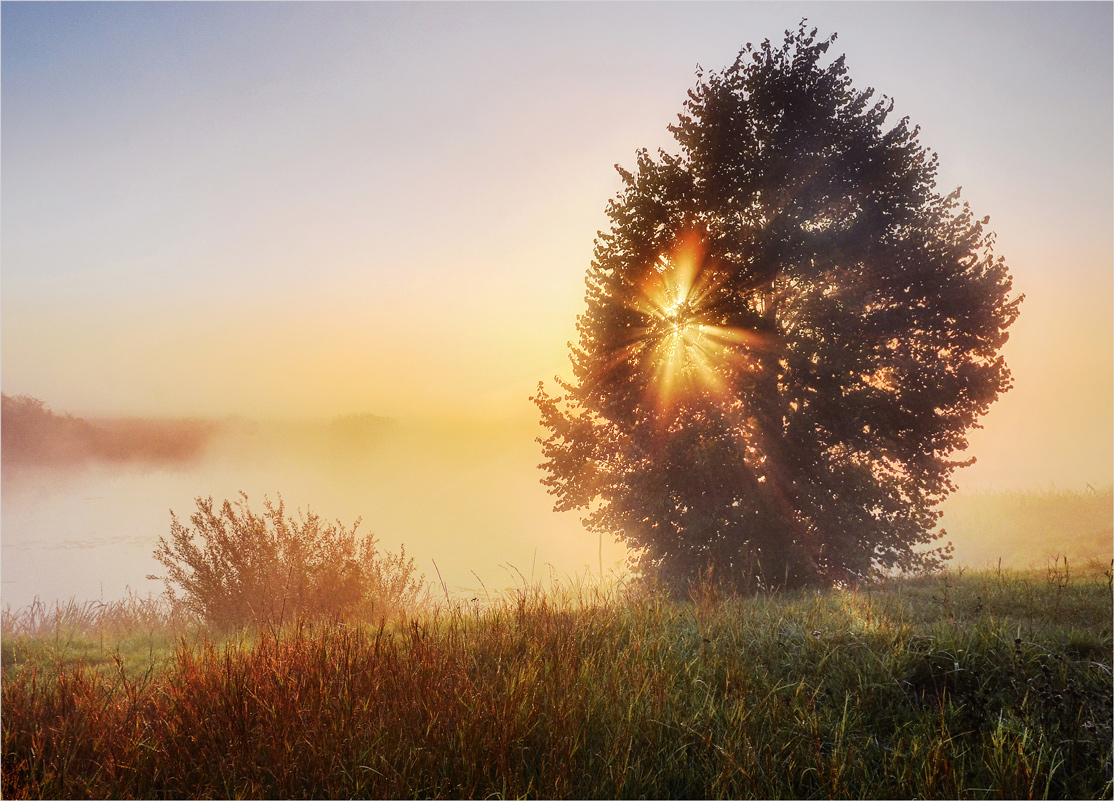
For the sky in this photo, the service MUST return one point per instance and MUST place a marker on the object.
(291, 210)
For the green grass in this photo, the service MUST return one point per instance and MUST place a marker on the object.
(958, 685)
(136, 632)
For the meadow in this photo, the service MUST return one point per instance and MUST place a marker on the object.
(959, 684)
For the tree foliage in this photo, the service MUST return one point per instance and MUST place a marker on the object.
(788, 334)
(236, 567)
(33, 434)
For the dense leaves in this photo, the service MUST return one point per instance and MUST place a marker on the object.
(788, 334)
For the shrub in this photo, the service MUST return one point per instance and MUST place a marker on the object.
(237, 567)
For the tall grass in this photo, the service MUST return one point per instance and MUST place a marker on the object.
(138, 630)
(973, 685)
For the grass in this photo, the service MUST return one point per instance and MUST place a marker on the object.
(959, 685)
(137, 631)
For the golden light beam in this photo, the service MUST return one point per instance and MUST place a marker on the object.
(683, 352)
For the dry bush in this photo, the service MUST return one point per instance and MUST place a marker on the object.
(236, 567)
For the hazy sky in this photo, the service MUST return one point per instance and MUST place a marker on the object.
(280, 209)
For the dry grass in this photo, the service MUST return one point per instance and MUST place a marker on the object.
(956, 685)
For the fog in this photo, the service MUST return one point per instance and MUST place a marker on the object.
(464, 496)
(390, 208)
(84, 501)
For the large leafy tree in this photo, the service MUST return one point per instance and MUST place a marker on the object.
(788, 334)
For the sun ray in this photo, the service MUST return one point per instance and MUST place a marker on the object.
(684, 349)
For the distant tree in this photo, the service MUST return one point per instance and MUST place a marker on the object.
(788, 334)
(30, 433)
(235, 567)
(35, 435)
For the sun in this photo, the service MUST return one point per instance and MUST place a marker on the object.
(679, 315)
(687, 350)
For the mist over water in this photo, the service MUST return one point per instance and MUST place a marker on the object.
(467, 496)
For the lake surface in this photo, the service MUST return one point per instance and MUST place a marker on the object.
(467, 497)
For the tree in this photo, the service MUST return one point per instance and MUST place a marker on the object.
(236, 567)
(788, 334)
(30, 433)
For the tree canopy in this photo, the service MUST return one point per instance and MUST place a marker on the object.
(788, 334)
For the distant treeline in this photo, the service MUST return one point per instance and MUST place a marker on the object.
(33, 434)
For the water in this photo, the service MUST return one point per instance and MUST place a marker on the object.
(465, 497)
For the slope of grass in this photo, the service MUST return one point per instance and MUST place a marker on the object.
(973, 685)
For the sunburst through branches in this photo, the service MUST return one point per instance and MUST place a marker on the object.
(777, 386)
(686, 347)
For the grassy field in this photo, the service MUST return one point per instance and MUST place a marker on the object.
(957, 685)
